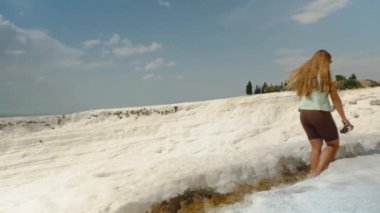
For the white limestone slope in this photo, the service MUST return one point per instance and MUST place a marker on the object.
(349, 185)
(122, 160)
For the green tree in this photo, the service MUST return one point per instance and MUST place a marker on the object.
(352, 77)
(264, 88)
(257, 89)
(351, 84)
(248, 88)
(340, 78)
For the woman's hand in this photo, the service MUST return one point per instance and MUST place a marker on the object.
(348, 127)
(346, 122)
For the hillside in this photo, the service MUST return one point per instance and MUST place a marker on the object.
(123, 160)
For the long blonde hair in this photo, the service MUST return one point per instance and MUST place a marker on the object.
(304, 79)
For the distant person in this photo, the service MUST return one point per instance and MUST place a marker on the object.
(314, 83)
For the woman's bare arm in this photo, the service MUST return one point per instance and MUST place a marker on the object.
(338, 103)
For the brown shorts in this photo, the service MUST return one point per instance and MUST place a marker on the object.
(319, 124)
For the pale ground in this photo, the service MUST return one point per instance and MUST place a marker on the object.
(350, 185)
(122, 160)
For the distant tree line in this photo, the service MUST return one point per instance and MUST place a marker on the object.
(265, 88)
(347, 83)
(343, 83)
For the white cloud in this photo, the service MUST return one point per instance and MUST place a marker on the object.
(318, 9)
(22, 38)
(14, 52)
(91, 43)
(171, 64)
(40, 79)
(164, 3)
(290, 58)
(36, 47)
(114, 40)
(3, 22)
(287, 51)
(364, 65)
(156, 64)
(239, 14)
(27, 54)
(90, 65)
(131, 49)
(119, 47)
(152, 76)
(255, 15)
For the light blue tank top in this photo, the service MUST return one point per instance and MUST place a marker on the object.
(316, 100)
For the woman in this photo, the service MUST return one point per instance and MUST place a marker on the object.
(313, 83)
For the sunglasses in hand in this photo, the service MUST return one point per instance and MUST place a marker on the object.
(347, 128)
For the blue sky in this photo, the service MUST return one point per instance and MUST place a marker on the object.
(66, 56)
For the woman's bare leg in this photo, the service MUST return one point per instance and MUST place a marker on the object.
(327, 155)
(316, 146)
